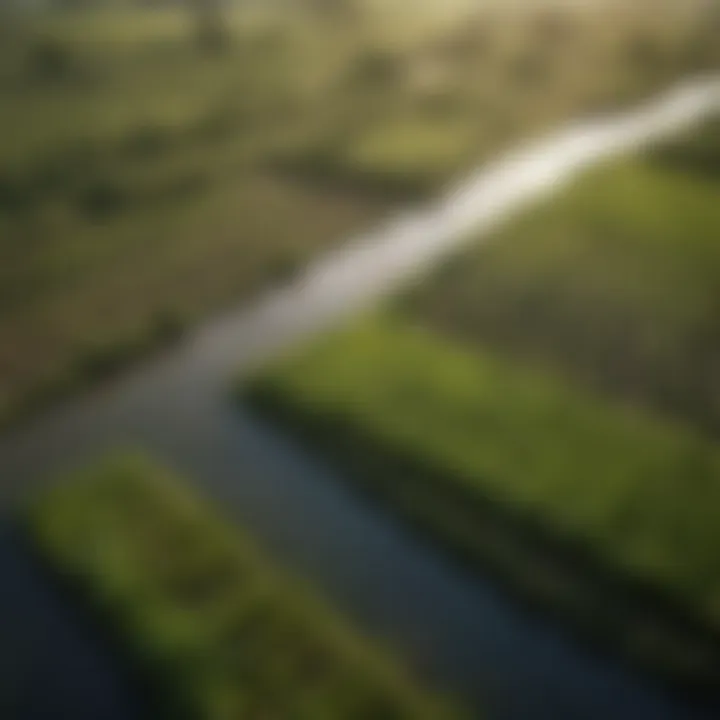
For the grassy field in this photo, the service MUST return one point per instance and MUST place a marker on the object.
(603, 513)
(616, 283)
(545, 403)
(146, 180)
(212, 630)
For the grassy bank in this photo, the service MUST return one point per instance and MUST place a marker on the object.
(145, 174)
(211, 629)
(600, 512)
(615, 283)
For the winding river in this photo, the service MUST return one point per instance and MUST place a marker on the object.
(452, 627)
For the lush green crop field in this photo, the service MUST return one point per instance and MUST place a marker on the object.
(145, 181)
(616, 282)
(569, 496)
(213, 630)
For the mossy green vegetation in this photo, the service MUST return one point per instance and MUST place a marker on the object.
(616, 282)
(599, 510)
(141, 174)
(213, 630)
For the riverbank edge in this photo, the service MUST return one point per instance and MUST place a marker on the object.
(630, 619)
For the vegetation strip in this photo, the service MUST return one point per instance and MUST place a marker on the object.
(212, 630)
(616, 282)
(600, 512)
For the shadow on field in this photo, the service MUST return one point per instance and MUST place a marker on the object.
(698, 156)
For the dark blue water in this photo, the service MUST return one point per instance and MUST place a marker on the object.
(52, 664)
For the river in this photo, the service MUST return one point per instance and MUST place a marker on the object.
(453, 627)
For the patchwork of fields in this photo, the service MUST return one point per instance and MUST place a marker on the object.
(546, 405)
(146, 180)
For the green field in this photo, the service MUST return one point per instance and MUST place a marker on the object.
(545, 404)
(213, 632)
(146, 180)
(602, 512)
(616, 283)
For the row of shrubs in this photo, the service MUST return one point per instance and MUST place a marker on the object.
(328, 166)
(102, 197)
(87, 173)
